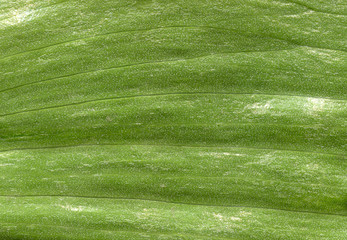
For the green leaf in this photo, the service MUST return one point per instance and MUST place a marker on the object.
(160, 119)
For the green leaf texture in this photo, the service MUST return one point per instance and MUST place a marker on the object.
(173, 119)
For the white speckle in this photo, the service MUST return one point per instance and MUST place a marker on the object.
(220, 154)
(6, 154)
(219, 216)
(244, 213)
(293, 16)
(73, 209)
(308, 12)
(264, 160)
(315, 105)
(6, 164)
(312, 166)
(76, 43)
(16, 17)
(235, 219)
(259, 108)
(87, 165)
(238, 154)
(78, 208)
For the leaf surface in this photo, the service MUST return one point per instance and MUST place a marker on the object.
(173, 119)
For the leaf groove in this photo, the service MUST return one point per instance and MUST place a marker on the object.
(167, 145)
(179, 203)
